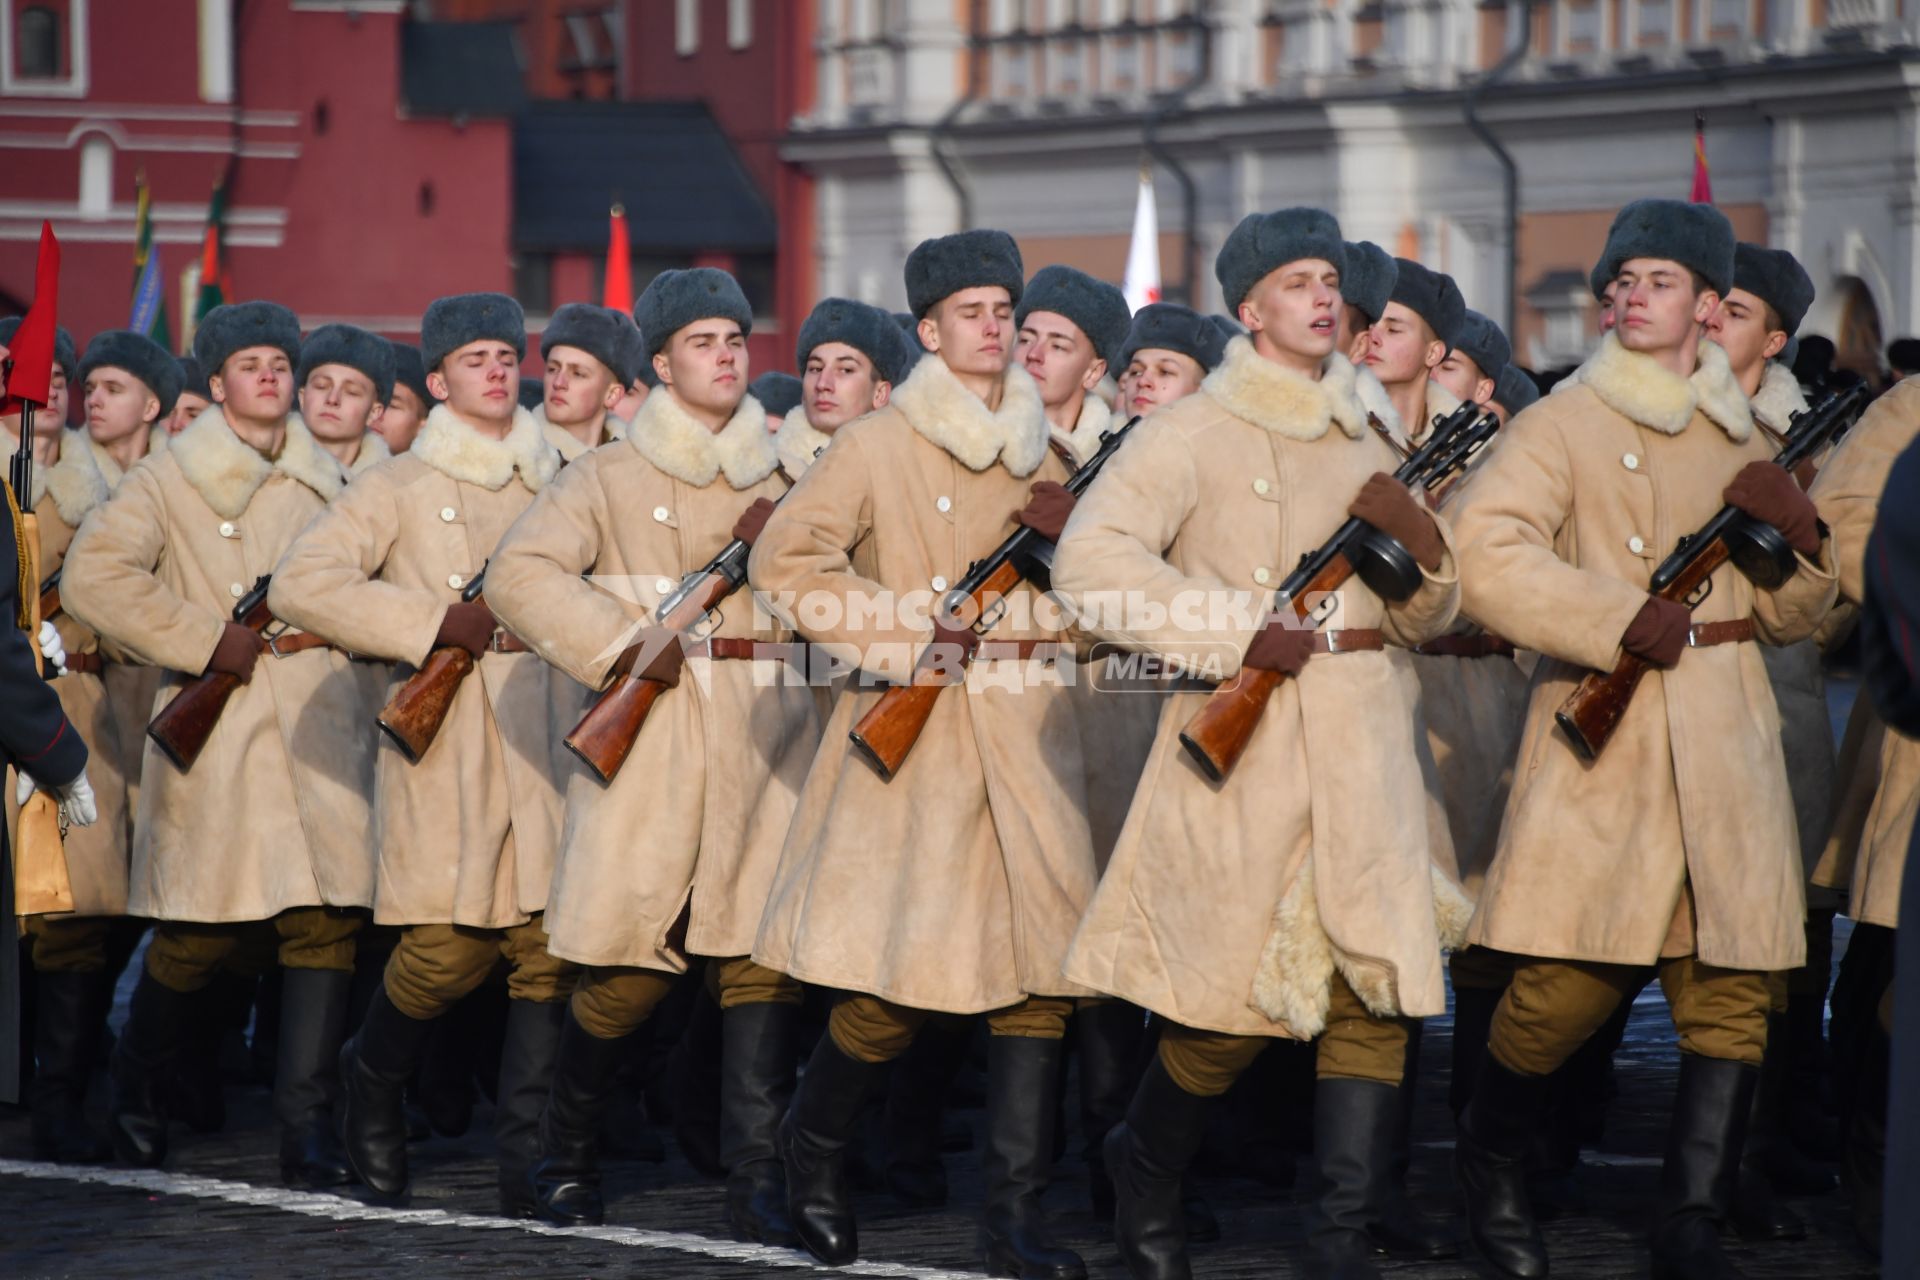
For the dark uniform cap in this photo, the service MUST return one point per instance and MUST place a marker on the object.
(140, 356)
(1265, 242)
(1098, 308)
(943, 266)
(453, 322)
(353, 347)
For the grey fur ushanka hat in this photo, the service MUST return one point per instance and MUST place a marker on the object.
(867, 329)
(943, 266)
(1265, 242)
(1513, 390)
(1168, 326)
(410, 371)
(1482, 342)
(1697, 236)
(236, 326)
(1431, 295)
(353, 347)
(453, 322)
(193, 378)
(1367, 283)
(608, 335)
(675, 299)
(140, 356)
(778, 393)
(1776, 278)
(1098, 308)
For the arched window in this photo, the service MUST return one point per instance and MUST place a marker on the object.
(39, 32)
(96, 177)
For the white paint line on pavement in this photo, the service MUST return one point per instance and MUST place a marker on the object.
(313, 1204)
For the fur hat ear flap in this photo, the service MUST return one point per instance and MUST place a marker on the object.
(1697, 236)
(1096, 307)
(354, 347)
(140, 356)
(236, 326)
(452, 322)
(943, 266)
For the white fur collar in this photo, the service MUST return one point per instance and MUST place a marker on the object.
(1639, 389)
(568, 443)
(940, 408)
(671, 439)
(75, 483)
(1778, 398)
(454, 449)
(373, 451)
(1277, 399)
(1084, 440)
(227, 472)
(798, 442)
(1375, 400)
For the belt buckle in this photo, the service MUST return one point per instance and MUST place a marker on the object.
(273, 641)
(1333, 642)
(497, 641)
(1693, 635)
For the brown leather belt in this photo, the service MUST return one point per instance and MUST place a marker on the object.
(85, 664)
(292, 642)
(1475, 646)
(1352, 640)
(504, 641)
(1702, 634)
(1005, 650)
(744, 648)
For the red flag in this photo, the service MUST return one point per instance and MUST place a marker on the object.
(618, 292)
(1702, 186)
(32, 347)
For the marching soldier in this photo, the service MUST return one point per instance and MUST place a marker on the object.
(467, 832)
(1419, 325)
(648, 877)
(1071, 329)
(1471, 370)
(266, 836)
(408, 403)
(128, 383)
(195, 395)
(1609, 868)
(346, 379)
(955, 886)
(51, 419)
(592, 355)
(851, 356)
(1170, 351)
(1256, 930)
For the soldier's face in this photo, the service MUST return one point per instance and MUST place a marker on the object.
(838, 385)
(255, 384)
(1401, 346)
(631, 398)
(1293, 313)
(400, 421)
(118, 404)
(52, 420)
(578, 386)
(1059, 356)
(1656, 306)
(1161, 377)
(480, 381)
(338, 403)
(1747, 330)
(189, 406)
(972, 331)
(706, 365)
(1461, 375)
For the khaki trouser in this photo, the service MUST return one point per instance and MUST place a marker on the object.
(184, 956)
(611, 1001)
(69, 944)
(870, 1029)
(1480, 969)
(1358, 1044)
(1553, 1006)
(436, 965)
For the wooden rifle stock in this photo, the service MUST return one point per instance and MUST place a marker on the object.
(50, 606)
(606, 734)
(417, 709)
(41, 882)
(184, 724)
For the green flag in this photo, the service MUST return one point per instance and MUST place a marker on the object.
(149, 284)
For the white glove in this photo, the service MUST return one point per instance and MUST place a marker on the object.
(51, 649)
(77, 807)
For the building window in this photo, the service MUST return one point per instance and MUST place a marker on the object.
(39, 31)
(43, 47)
(96, 177)
(686, 27)
(533, 282)
(739, 23)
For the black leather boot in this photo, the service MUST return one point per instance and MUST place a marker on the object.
(813, 1144)
(693, 1071)
(1702, 1165)
(915, 1111)
(1146, 1154)
(1021, 1105)
(566, 1180)
(144, 1059)
(313, 1022)
(1109, 1035)
(1472, 1022)
(1757, 1214)
(1864, 1158)
(526, 1078)
(757, 1052)
(1353, 1130)
(1396, 1228)
(1490, 1164)
(374, 1067)
(66, 1033)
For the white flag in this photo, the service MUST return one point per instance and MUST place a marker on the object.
(1143, 256)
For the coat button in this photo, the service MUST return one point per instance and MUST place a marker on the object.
(447, 514)
(236, 591)
(1636, 545)
(1631, 462)
(1261, 486)
(1262, 576)
(663, 585)
(943, 503)
(455, 581)
(661, 514)
(939, 584)
(226, 528)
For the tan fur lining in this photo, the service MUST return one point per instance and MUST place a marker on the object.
(1778, 398)
(671, 439)
(1286, 403)
(1639, 389)
(1292, 984)
(448, 445)
(1095, 418)
(1375, 400)
(1719, 395)
(374, 450)
(936, 405)
(109, 469)
(75, 483)
(225, 471)
(798, 443)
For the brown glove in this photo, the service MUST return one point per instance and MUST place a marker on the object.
(1386, 504)
(1046, 514)
(1771, 496)
(952, 645)
(238, 649)
(747, 528)
(1279, 647)
(1658, 632)
(466, 626)
(656, 654)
